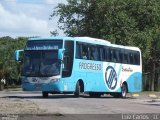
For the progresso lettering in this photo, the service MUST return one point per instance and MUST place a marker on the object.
(90, 66)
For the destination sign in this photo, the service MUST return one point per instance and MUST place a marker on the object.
(44, 45)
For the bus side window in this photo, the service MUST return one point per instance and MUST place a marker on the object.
(126, 60)
(78, 50)
(98, 51)
(102, 53)
(110, 55)
(131, 57)
(137, 58)
(84, 51)
(115, 56)
(120, 55)
(107, 54)
(94, 53)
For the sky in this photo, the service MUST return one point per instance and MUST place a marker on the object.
(28, 18)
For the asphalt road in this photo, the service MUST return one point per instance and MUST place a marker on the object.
(67, 107)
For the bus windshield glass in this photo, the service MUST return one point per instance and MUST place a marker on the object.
(42, 63)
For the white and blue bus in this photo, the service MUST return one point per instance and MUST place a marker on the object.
(80, 65)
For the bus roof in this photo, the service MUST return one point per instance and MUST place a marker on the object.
(125, 47)
(50, 38)
(82, 39)
(87, 40)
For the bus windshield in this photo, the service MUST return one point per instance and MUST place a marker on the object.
(41, 63)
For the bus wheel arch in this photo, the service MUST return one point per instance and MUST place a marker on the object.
(124, 89)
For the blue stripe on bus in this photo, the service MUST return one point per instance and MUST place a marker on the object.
(134, 82)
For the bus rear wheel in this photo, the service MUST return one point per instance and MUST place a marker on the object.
(124, 91)
(45, 94)
(77, 90)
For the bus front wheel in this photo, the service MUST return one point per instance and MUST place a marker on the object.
(77, 90)
(45, 94)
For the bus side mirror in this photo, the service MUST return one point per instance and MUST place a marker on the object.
(19, 55)
(60, 54)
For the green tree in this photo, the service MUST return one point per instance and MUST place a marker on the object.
(9, 69)
(126, 22)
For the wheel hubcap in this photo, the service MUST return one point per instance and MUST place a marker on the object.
(123, 91)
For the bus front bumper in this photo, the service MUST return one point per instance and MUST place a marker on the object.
(49, 87)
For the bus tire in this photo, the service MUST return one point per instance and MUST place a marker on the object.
(124, 90)
(45, 94)
(77, 90)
